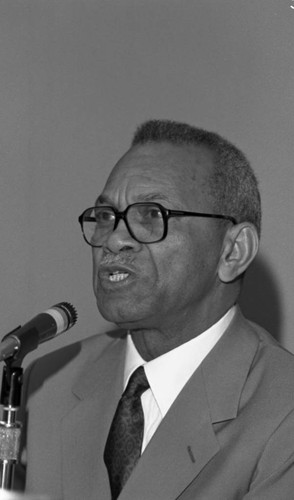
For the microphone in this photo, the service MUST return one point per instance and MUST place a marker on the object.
(45, 326)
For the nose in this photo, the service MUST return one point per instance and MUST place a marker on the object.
(121, 240)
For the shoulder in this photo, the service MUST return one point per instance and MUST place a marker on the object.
(272, 365)
(64, 365)
(260, 338)
(270, 349)
(248, 353)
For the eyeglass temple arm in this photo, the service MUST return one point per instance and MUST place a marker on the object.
(180, 213)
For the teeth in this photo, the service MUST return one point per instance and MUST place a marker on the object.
(118, 276)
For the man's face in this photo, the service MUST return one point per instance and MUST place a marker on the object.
(175, 280)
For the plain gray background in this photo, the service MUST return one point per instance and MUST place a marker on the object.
(78, 76)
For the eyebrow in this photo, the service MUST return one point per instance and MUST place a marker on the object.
(152, 197)
(104, 199)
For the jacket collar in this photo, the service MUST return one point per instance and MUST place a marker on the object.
(226, 368)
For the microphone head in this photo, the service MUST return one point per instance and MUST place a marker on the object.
(43, 327)
(70, 312)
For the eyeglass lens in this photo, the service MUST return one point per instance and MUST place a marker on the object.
(144, 221)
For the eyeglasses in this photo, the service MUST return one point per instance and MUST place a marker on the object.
(146, 222)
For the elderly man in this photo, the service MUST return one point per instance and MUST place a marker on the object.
(189, 400)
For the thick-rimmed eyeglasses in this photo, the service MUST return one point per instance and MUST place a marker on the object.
(146, 222)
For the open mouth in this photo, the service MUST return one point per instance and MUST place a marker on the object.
(117, 276)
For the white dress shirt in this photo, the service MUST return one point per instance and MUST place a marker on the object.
(167, 374)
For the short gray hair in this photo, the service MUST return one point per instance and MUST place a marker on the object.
(233, 184)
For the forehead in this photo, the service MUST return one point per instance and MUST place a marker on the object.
(173, 171)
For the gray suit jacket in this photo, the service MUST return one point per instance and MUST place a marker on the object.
(228, 436)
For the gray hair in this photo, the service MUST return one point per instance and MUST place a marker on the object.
(233, 184)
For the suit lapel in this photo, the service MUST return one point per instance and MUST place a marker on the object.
(96, 395)
(226, 368)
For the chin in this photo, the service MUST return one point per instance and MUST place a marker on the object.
(127, 312)
(123, 319)
(118, 315)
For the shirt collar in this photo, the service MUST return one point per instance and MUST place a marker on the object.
(167, 374)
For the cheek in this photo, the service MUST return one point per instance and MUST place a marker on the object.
(174, 263)
(187, 263)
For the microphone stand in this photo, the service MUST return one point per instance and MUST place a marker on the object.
(10, 428)
(13, 353)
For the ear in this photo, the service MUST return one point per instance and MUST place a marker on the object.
(240, 246)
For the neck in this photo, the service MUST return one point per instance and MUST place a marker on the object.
(153, 342)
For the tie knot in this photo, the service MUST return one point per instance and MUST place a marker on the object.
(137, 384)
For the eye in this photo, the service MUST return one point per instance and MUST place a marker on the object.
(149, 213)
(104, 215)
